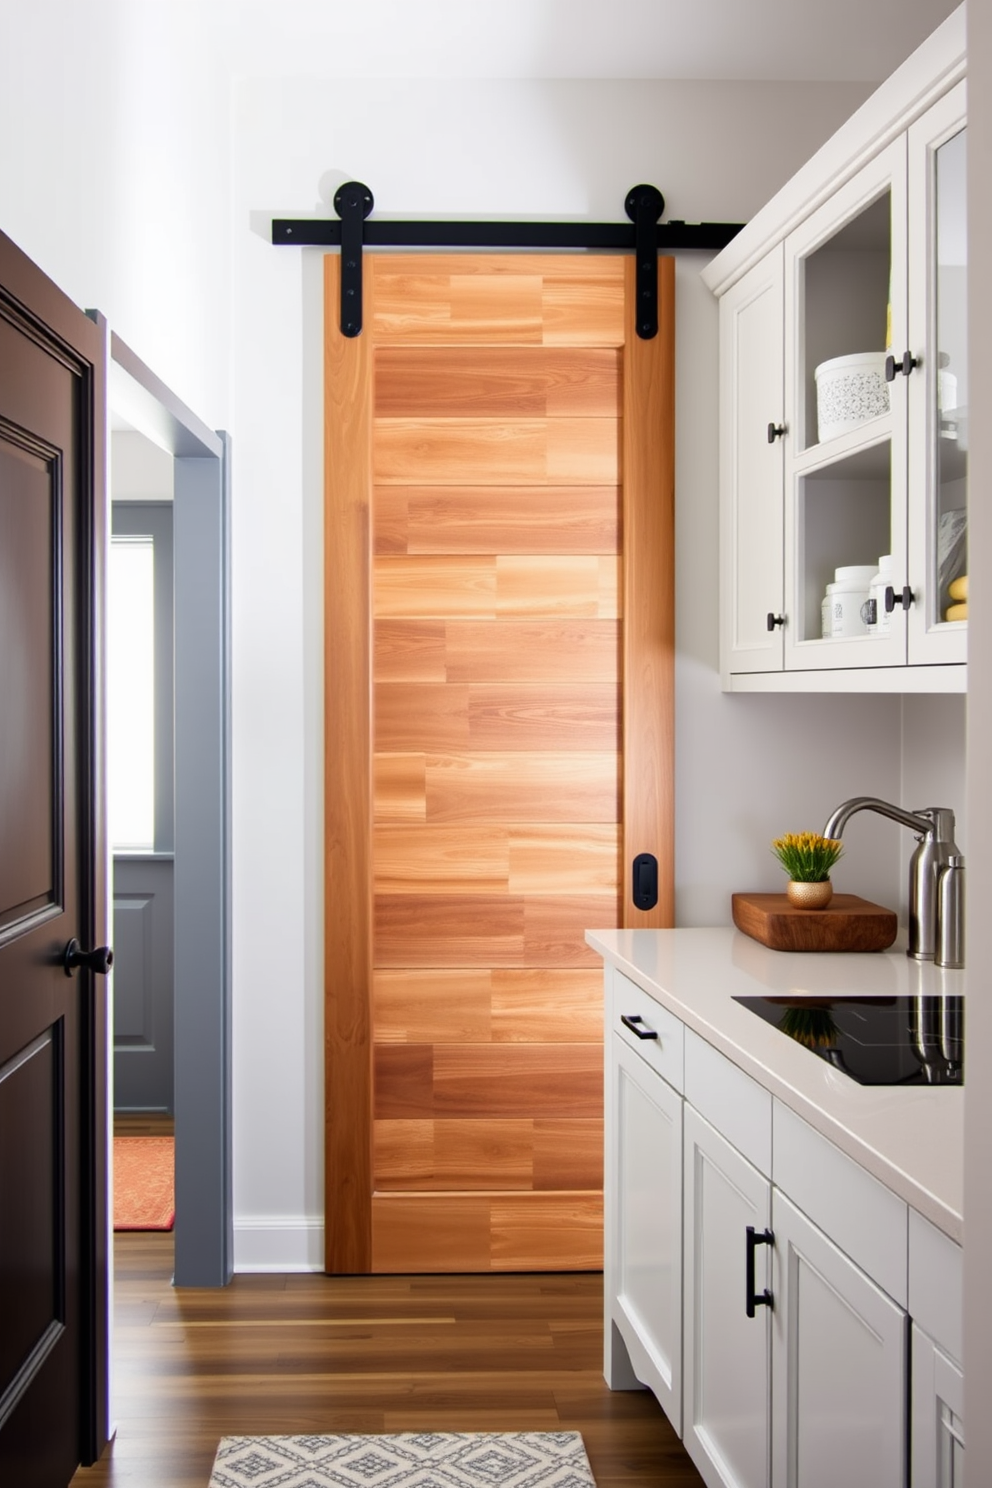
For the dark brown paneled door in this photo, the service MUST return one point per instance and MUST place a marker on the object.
(499, 738)
(52, 1025)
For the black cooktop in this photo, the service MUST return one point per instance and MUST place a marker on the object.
(875, 1040)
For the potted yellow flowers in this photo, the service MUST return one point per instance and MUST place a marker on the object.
(808, 858)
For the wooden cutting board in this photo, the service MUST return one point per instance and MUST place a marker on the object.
(847, 924)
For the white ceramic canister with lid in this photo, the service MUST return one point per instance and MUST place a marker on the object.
(847, 594)
(877, 617)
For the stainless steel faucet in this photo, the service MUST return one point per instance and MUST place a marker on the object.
(935, 885)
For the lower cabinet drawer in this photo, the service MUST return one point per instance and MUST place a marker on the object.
(648, 1028)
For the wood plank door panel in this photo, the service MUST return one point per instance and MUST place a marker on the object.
(499, 636)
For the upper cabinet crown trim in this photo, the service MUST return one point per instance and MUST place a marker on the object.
(927, 74)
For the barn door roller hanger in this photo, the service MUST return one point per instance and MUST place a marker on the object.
(646, 236)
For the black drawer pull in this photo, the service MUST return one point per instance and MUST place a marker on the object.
(763, 1299)
(637, 1026)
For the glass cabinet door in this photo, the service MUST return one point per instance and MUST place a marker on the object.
(938, 410)
(845, 486)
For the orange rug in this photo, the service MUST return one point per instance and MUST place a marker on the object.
(144, 1183)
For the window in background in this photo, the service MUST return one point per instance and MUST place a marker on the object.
(131, 693)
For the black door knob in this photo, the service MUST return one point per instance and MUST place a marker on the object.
(100, 959)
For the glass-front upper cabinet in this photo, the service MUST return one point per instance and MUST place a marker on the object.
(846, 450)
(938, 408)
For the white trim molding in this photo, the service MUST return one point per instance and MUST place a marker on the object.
(279, 1243)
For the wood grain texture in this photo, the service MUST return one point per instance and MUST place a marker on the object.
(498, 930)
(500, 472)
(522, 785)
(497, 519)
(443, 718)
(649, 596)
(512, 1080)
(421, 716)
(400, 788)
(488, 1082)
(454, 452)
(848, 923)
(532, 651)
(546, 715)
(498, 300)
(475, 587)
(410, 651)
(347, 792)
(306, 1353)
(465, 1155)
(495, 859)
(497, 382)
(486, 1005)
(483, 1232)
(441, 859)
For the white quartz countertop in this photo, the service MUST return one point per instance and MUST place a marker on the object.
(910, 1138)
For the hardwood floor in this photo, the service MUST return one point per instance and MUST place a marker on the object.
(286, 1354)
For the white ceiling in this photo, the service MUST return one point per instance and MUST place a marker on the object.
(800, 40)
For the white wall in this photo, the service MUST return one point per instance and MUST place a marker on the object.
(748, 767)
(114, 176)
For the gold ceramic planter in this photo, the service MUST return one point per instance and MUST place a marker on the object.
(809, 895)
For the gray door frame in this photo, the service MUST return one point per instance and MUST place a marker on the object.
(204, 1234)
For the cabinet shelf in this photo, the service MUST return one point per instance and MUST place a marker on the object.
(864, 452)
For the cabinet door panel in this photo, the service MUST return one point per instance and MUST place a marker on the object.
(726, 1385)
(751, 393)
(938, 1412)
(845, 481)
(646, 1249)
(938, 388)
(839, 1378)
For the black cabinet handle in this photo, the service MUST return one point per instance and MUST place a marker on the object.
(637, 1026)
(774, 620)
(905, 365)
(100, 960)
(763, 1299)
(905, 599)
(775, 431)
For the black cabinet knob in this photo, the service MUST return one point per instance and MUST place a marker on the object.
(905, 365)
(774, 620)
(904, 600)
(775, 431)
(99, 960)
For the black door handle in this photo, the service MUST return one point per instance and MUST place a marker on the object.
(100, 959)
(644, 875)
(764, 1298)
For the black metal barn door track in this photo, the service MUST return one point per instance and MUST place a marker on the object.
(646, 236)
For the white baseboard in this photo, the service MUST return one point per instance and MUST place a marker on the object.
(279, 1243)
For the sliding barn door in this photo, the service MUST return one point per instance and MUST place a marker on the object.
(499, 650)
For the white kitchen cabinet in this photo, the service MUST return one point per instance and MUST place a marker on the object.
(752, 390)
(643, 1249)
(815, 1390)
(839, 1365)
(727, 1379)
(935, 1300)
(937, 1415)
(868, 238)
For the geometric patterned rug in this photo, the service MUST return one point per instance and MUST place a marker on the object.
(516, 1459)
